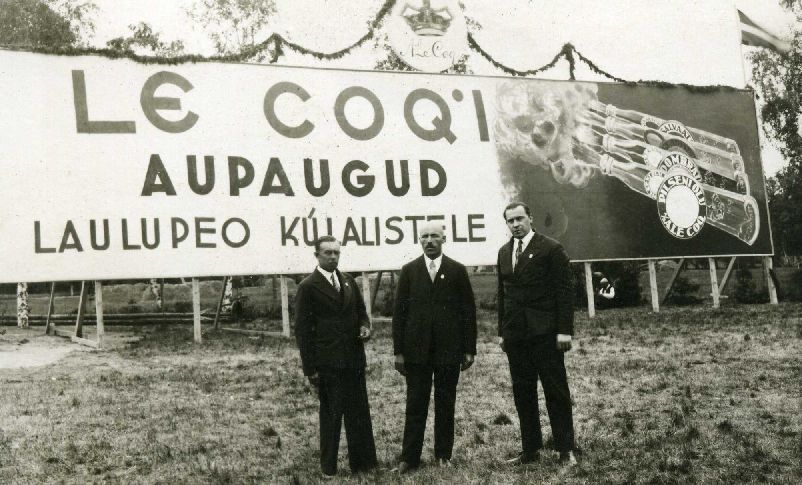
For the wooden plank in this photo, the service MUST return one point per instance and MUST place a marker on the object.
(84, 341)
(366, 294)
(726, 278)
(245, 331)
(674, 275)
(220, 303)
(50, 307)
(375, 291)
(768, 266)
(589, 290)
(285, 306)
(196, 310)
(79, 320)
(653, 286)
(714, 282)
(100, 329)
(62, 333)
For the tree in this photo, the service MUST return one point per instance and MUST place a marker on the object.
(143, 40)
(778, 79)
(234, 25)
(32, 23)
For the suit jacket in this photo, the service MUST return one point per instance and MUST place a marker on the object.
(537, 298)
(327, 323)
(434, 322)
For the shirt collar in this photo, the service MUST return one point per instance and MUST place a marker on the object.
(326, 274)
(437, 261)
(526, 239)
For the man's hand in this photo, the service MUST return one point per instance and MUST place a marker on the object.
(501, 343)
(399, 364)
(314, 380)
(467, 361)
(364, 333)
(563, 342)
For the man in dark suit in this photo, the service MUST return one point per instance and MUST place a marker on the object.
(331, 324)
(536, 319)
(434, 335)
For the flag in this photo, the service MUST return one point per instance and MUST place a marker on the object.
(754, 35)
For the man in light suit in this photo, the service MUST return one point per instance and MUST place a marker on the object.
(331, 324)
(536, 319)
(434, 336)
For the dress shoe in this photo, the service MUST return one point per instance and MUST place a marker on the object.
(403, 468)
(325, 477)
(444, 462)
(524, 458)
(567, 458)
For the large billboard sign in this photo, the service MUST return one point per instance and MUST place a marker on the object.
(113, 169)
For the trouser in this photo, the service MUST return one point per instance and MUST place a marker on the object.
(529, 360)
(343, 394)
(419, 388)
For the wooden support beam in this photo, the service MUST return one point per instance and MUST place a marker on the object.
(726, 278)
(100, 330)
(285, 306)
(245, 331)
(79, 321)
(375, 291)
(589, 291)
(768, 266)
(50, 307)
(220, 303)
(196, 310)
(58, 332)
(84, 341)
(366, 295)
(674, 275)
(713, 282)
(653, 286)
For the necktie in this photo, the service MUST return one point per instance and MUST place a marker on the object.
(432, 270)
(518, 251)
(334, 283)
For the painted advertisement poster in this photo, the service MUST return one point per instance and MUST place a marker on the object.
(113, 169)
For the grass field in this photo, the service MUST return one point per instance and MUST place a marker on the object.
(690, 395)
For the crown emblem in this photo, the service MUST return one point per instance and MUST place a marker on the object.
(426, 20)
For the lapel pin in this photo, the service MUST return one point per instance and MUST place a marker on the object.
(442, 276)
(346, 284)
(530, 256)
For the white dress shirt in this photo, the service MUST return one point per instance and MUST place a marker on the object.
(525, 241)
(328, 275)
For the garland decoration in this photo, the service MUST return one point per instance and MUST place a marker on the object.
(276, 45)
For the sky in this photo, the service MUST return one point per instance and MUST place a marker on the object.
(297, 18)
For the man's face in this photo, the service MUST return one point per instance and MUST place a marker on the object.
(328, 255)
(432, 239)
(518, 222)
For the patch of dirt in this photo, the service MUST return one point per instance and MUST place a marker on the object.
(21, 348)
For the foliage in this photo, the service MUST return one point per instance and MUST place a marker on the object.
(144, 41)
(684, 292)
(234, 25)
(33, 23)
(778, 79)
(745, 288)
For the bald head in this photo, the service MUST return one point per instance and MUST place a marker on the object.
(432, 238)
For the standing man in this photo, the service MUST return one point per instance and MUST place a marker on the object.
(331, 324)
(535, 323)
(434, 335)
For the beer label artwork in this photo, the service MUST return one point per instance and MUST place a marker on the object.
(209, 169)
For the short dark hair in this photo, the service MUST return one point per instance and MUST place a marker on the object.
(513, 205)
(323, 239)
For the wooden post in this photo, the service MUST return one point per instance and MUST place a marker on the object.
(100, 330)
(79, 321)
(50, 307)
(653, 286)
(589, 291)
(723, 283)
(714, 282)
(376, 287)
(220, 303)
(768, 265)
(673, 279)
(196, 310)
(366, 295)
(285, 306)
